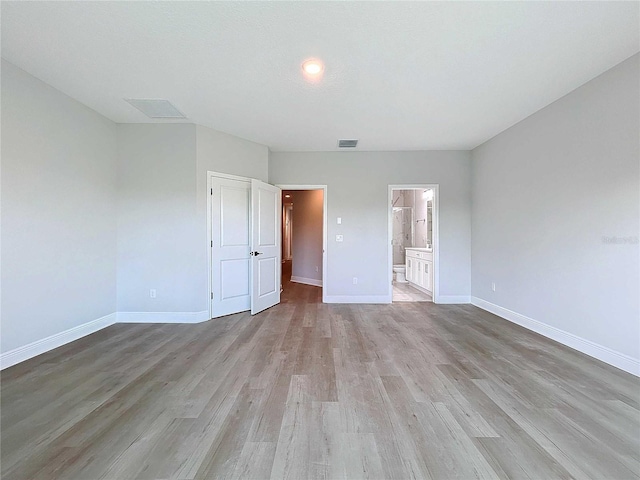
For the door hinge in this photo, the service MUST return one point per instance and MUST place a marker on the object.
(212, 191)
(212, 243)
(211, 295)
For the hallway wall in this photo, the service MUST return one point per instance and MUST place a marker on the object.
(307, 236)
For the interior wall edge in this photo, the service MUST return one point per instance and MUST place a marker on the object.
(376, 299)
(607, 355)
(592, 349)
(307, 281)
(163, 317)
(44, 345)
(452, 299)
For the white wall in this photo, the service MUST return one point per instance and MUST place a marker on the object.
(58, 211)
(307, 234)
(357, 190)
(546, 193)
(221, 153)
(224, 153)
(157, 239)
(162, 236)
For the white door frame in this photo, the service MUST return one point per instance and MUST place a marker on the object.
(324, 228)
(210, 176)
(436, 235)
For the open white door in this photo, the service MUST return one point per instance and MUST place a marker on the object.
(230, 246)
(266, 249)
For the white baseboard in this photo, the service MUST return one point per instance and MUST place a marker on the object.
(20, 354)
(357, 299)
(163, 317)
(307, 281)
(452, 299)
(605, 354)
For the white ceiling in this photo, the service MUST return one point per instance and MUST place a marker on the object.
(398, 76)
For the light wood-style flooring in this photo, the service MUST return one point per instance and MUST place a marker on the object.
(309, 390)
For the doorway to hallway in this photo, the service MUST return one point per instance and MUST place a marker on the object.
(303, 235)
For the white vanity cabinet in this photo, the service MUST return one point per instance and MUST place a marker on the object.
(419, 266)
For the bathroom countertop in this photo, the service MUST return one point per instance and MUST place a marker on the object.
(420, 249)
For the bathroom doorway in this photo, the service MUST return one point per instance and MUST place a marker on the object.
(304, 236)
(413, 243)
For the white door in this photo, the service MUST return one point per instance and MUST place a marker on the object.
(230, 246)
(266, 223)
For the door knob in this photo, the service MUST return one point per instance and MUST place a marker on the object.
(255, 254)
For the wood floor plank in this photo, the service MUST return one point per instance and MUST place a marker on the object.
(320, 391)
(326, 459)
(360, 454)
(292, 458)
(255, 461)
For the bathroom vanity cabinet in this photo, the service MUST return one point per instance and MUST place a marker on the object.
(419, 266)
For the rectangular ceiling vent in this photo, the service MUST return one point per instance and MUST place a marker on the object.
(155, 107)
(347, 143)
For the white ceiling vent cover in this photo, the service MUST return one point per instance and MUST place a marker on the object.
(155, 107)
(347, 143)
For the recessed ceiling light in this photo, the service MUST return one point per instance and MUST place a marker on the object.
(287, 196)
(313, 67)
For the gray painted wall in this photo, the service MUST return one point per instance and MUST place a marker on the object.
(546, 192)
(224, 153)
(357, 190)
(162, 224)
(157, 218)
(58, 211)
(221, 153)
(307, 234)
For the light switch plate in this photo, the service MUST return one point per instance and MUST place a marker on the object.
(339, 220)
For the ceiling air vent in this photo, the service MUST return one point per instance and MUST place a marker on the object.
(347, 143)
(155, 107)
